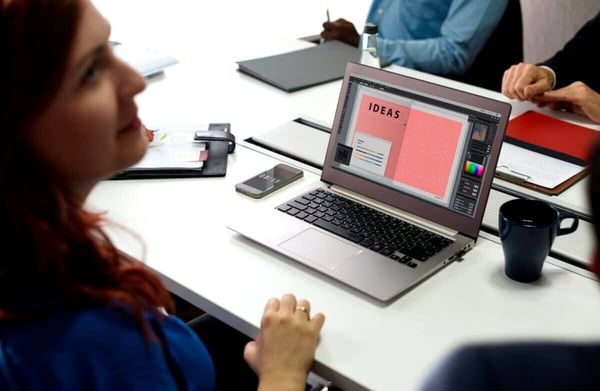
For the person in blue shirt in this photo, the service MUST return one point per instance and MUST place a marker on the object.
(524, 366)
(75, 313)
(569, 80)
(443, 37)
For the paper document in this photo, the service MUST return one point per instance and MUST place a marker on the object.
(184, 153)
(174, 149)
(533, 167)
(146, 61)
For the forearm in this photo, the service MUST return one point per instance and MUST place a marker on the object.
(282, 382)
(449, 51)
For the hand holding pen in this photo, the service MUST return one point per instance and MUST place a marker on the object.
(341, 30)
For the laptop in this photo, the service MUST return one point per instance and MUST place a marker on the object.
(418, 156)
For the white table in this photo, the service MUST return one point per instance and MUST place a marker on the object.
(364, 344)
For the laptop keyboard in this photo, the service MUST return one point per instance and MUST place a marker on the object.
(395, 238)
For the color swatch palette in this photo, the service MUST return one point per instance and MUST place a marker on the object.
(473, 169)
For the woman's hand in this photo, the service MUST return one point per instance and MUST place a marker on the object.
(284, 350)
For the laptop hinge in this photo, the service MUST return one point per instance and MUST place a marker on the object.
(395, 212)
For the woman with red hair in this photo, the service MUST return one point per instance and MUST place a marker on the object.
(74, 312)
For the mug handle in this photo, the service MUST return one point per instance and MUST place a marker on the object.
(567, 215)
(503, 226)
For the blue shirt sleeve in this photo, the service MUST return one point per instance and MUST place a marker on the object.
(104, 349)
(436, 36)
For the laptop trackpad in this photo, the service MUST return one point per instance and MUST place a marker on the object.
(320, 248)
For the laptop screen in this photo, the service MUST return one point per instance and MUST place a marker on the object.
(418, 146)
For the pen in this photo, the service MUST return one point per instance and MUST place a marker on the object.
(321, 40)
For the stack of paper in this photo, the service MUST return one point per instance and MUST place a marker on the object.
(174, 149)
(545, 153)
(146, 61)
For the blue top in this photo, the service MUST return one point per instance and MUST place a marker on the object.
(436, 36)
(530, 366)
(102, 349)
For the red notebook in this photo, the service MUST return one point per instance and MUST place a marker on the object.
(552, 136)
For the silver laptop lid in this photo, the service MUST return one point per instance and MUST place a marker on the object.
(417, 146)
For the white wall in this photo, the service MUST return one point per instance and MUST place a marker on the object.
(548, 24)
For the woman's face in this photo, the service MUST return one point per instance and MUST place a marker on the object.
(90, 129)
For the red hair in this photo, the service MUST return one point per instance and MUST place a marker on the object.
(60, 254)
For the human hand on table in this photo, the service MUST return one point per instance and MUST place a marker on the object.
(524, 81)
(283, 352)
(576, 97)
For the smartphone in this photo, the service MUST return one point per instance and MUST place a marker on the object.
(268, 181)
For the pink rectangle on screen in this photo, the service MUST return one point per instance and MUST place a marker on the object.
(427, 152)
(423, 144)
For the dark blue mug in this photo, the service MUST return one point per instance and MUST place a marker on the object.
(527, 231)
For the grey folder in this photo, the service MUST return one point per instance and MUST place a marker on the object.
(302, 68)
